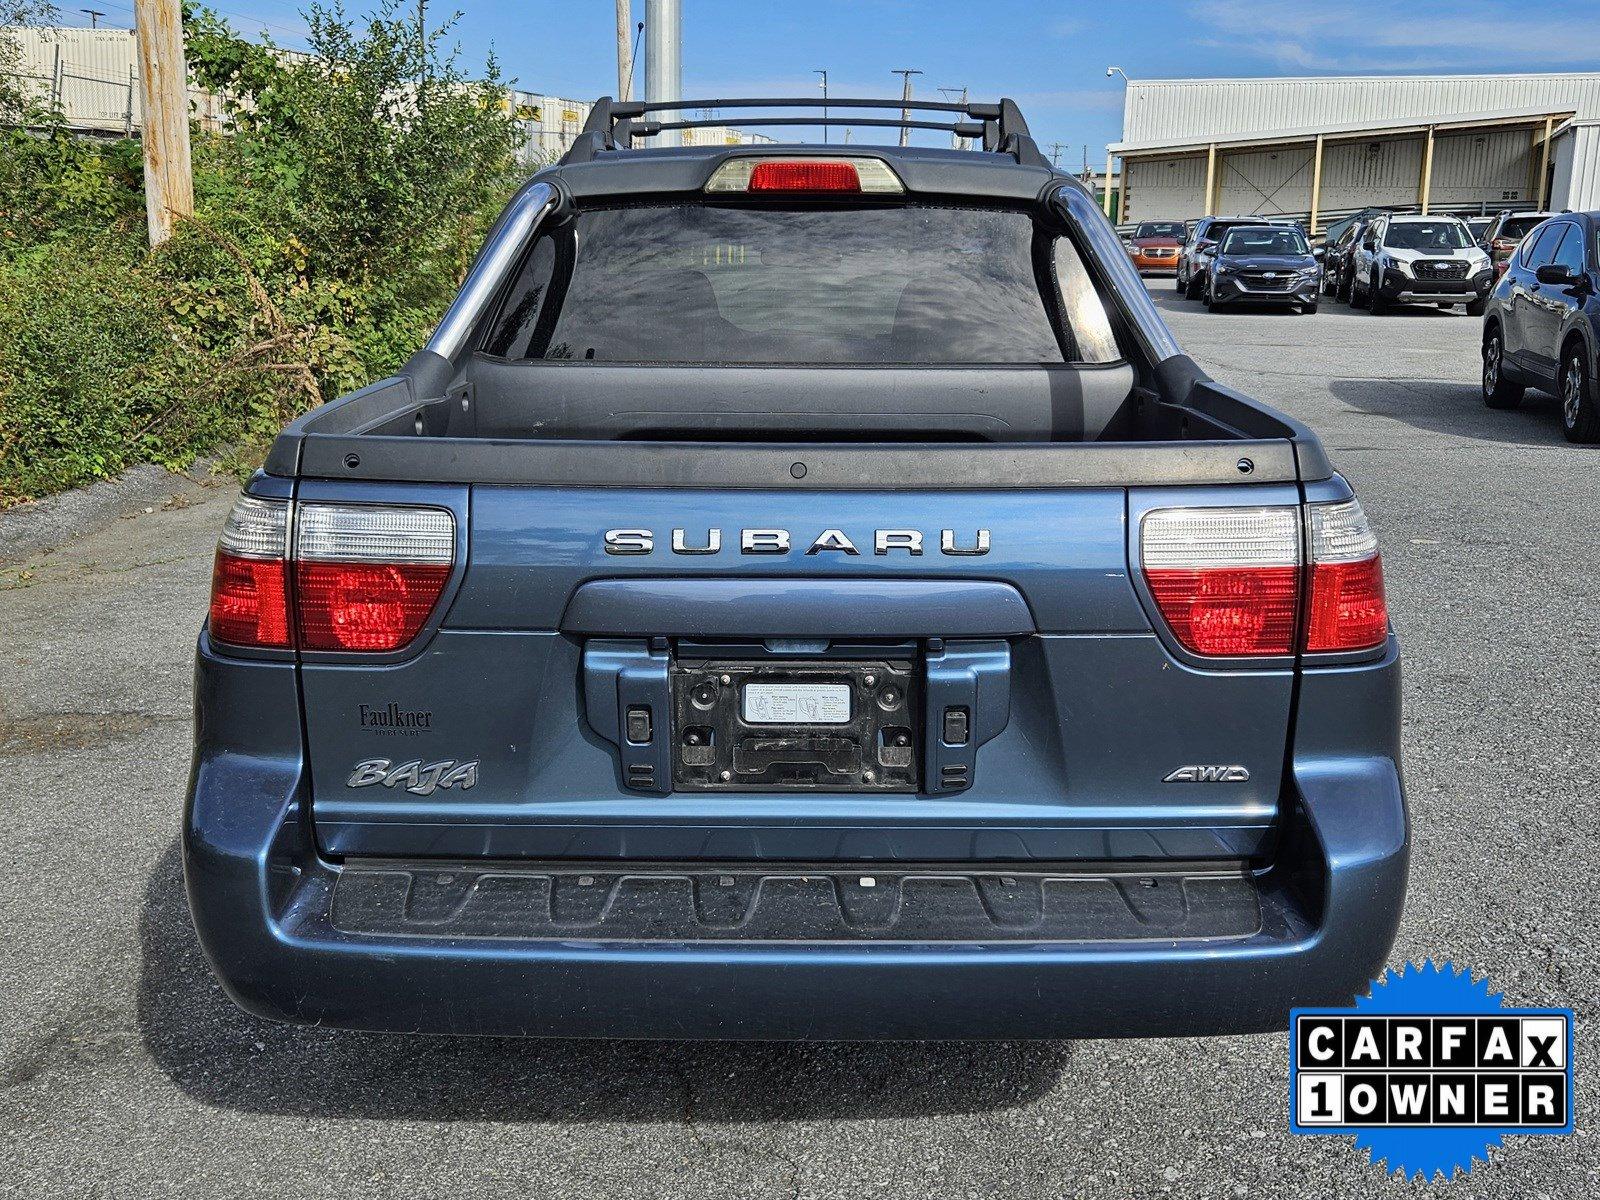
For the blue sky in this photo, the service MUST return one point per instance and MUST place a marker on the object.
(1050, 55)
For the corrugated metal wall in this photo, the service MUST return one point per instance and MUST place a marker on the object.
(89, 72)
(1264, 181)
(1488, 166)
(1577, 168)
(1206, 109)
(1171, 189)
(1483, 171)
(1356, 174)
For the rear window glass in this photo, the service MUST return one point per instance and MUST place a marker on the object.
(1264, 241)
(707, 284)
(1519, 227)
(1427, 235)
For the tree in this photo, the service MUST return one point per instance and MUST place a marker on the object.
(15, 96)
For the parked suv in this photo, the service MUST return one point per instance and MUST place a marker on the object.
(1505, 234)
(1263, 264)
(1542, 327)
(797, 593)
(1339, 257)
(1194, 261)
(1419, 260)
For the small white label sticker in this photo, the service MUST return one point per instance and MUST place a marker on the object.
(797, 703)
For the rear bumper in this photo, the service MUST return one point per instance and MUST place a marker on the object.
(263, 902)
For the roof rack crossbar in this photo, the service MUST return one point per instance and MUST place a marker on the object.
(613, 125)
(966, 129)
(638, 108)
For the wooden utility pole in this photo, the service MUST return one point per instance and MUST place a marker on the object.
(905, 98)
(164, 91)
(624, 48)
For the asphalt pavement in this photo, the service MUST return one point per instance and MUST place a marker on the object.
(124, 1070)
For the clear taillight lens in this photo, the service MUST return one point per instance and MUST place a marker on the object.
(1227, 580)
(363, 579)
(249, 581)
(367, 578)
(1346, 609)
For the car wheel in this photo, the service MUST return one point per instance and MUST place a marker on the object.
(1346, 284)
(1376, 305)
(1210, 296)
(1476, 308)
(1309, 310)
(1177, 282)
(1498, 391)
(1191, 290)
(1580, 415)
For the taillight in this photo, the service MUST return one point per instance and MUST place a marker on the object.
(815, 174)
(367, 578)
(1227, 580)
(1346, 608)
(249, 581)
(363, 578)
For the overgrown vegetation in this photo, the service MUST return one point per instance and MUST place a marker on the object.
(334, 219)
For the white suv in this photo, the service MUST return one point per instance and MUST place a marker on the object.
(1411, 259)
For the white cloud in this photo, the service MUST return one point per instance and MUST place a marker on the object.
(1400, 35)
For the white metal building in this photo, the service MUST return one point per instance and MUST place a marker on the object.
(1318, 148)
(92, 76)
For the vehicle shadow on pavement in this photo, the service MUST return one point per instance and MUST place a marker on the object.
(1442, 406)
(223, 1056)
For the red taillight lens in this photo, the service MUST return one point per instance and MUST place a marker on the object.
(365, 578)
(364, 606)
(1346, 609)
(249, 582)
(1227, 580)
(249, 601)
(1245, 613)
(810, 175)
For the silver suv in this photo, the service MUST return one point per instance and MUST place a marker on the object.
(1413, 259)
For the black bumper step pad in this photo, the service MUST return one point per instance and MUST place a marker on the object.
(769, 903)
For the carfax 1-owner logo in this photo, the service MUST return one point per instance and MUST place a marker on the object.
(1430, 1070)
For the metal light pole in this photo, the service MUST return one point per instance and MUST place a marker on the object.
(824, 75)
(663, 59)
(1116, 213)
(905, 95)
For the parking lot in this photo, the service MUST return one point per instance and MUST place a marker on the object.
(127, 1072)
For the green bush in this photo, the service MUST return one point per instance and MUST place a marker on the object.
(333, 222)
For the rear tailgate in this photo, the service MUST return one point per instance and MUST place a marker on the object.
(1090, 733)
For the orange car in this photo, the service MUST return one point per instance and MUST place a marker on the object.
(1154, 245)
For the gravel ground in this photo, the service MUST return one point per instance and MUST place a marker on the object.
(124, 1070)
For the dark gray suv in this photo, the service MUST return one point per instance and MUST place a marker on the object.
(1542, 325)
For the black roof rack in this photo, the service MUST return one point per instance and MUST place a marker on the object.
(613, 124)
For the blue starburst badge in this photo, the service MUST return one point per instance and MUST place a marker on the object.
(1430, 1070)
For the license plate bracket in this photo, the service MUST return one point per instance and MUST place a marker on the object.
(806, 724)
